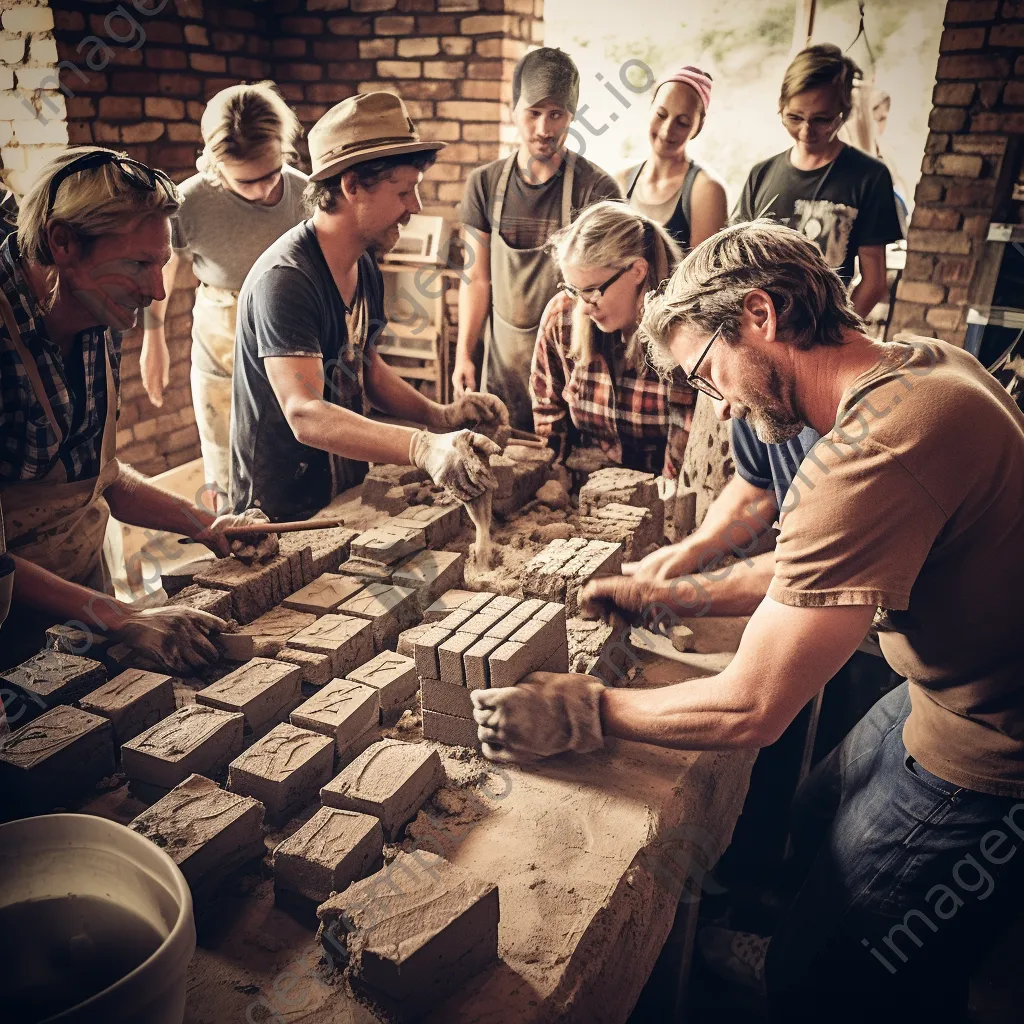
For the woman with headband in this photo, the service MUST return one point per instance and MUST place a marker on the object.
(669, 187)
(590, 382)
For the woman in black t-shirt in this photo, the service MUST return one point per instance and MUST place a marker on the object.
(836, 195)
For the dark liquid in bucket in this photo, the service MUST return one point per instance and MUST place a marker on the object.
(56, 953)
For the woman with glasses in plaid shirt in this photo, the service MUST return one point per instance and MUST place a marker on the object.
(590, 382)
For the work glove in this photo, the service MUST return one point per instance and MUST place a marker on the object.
(247, 551)
(456, 461)
(473, 409)
(176, 636)
(547, 713)
(667, 563)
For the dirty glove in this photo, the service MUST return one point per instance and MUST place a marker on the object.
(547, 713)
(473, 409)
(251, 549)
(174, 635)
(457, 462)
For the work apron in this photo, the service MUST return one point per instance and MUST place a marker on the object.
(213, 358)
(51, 522)
(522, 283)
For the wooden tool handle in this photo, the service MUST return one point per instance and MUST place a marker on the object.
(261, 529)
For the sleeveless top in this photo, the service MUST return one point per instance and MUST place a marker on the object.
(678, 225)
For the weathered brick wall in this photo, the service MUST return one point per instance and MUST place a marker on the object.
(979, 104)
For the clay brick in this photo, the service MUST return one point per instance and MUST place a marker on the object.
(974, 67)
(944, 319)
(254, 589)
(970, 10)
(486, 24)
(371, 49)
(265, 636)
(46, 680)
(449, 729)
(954, 94)
(469, 110)
(456, 46)
(921, 291)
(389, 609)
(53, 759)
(940, 219)
(441, 523)
(450, 601)
(205, 599)
(425, 651)
(1013, 94)
(632, 527)
(959, 165)
(449, 657)
(447, 698)
(263, 690)
(194, 740)
(316, 669)
(1006, 35)
(132, 702)
(407, 640)
(367, 571)
(179, 577)
(431, 574)
(325, 594)
(393, 25)
(300, 558)
(343, 710)
(393, 676)
(559, 571)
(339, 49)
(348, 641)
(451, 69)
(331, 851)
(67, 639)
(207, 831)
(284, 770)
(938, 241)
(390, 780)
(962, 39)
(388, 543)
(979, 195)
(426, 46)
(955, 271)
(382, 478)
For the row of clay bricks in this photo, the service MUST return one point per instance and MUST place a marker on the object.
(560, 570)
(629, 525)
(620, 486)
(488, 641)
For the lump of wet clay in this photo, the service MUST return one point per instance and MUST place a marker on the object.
(553, 494)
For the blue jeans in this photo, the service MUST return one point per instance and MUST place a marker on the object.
(910, 881)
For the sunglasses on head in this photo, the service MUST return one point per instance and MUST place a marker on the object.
(138, 175)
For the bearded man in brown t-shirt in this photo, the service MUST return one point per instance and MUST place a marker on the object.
(909, 512)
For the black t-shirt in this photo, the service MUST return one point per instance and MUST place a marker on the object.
(842, 206)
(290, 306)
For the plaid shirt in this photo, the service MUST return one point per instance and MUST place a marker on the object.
(638, 419)
(29, 449)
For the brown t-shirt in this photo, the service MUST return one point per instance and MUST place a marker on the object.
(915, 503)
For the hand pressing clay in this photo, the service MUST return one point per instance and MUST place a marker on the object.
(479, 510)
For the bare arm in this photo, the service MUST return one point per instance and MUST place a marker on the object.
(139, 502)
(786, 655)
(155, 360)
(298, 383)
(709, 210)
(397, 397)
(872, 287)
(474, 307)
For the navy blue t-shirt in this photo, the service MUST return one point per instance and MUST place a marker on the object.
(290, 306)
(769, 465)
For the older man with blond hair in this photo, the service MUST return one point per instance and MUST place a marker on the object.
(908, 512)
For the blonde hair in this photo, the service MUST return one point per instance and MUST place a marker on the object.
(708, 288)
(823, 64)
(241, 121)
(611, 234)
(94, 201)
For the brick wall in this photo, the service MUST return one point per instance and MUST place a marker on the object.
(967, 166)
(139, 80)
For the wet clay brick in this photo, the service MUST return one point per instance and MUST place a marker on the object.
(475, 664)
(382, 478)
(617, 484)
(366, 570)
(327, 854)
(389, 609)
(264, 690)
(254, 589)
(46, 763)
(284, 770)
(448, 698)
(194, 740)
(207, 831)
(177, 579)
(390, 780)
(325, 594)
(408, 959)
(449, 602)
(46, 680)
(388, 543)
(451, 730)
(295, 547)
(329, 547)
(431, 574)
(425, 651)
(206, 599)
(265, 636)
(441, 523)
(343, 710)
(317, 669)
(560, 570)
(132, 702)
(70, 640)
(393, 676)
(632, 527)
(407, 639)
(449, 657)
(348, 641)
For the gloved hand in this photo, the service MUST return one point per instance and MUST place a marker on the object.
(472, 409)
(641, 602)
(547, 713)
(457, 461)
(174, 635)
(247, 551)
(667, 563)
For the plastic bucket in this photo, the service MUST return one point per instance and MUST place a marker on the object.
(83, 894)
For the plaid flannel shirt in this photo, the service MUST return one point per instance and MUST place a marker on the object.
(631, 413)
(29, 449)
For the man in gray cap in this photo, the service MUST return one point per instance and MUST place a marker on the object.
(511, 207)
(306, 366)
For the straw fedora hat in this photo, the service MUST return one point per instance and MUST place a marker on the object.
(366, 127)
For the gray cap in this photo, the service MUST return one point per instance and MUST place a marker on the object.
(546, 74)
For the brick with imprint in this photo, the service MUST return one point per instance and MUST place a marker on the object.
(452, 600)
(348, 641)
(254, 589)
(132, 701)
(264, 690)
(452, 730)
(393, 676)
(431, 574)
(343, 710)
(206, 599)
(390, 609)
(388, 543)
(441, 523)
(46, 680)
(316, 668)
(325, 594)
(265, 636)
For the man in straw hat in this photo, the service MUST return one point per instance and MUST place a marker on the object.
(306, 368)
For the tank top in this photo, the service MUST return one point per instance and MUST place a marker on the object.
(678, 223)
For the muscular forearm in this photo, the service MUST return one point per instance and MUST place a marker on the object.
(49, 594)
(138, 502)
(397, 397)
(326, 426)
(735, 589)
(474, 304)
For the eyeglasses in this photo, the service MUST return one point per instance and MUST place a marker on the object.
(702, 384)
(585, 293)
(137, 174)
(794, 122)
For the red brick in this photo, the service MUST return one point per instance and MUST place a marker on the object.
(1013, 94)
(120, 108)
(293, 92)
(350, 26)
(1018, 66)
(419, 46)
(68, 21)
(336, 49)
(300, 72)
(328, 92)
(460, 153)
(212, 63)
(129, 83)
(233, 17)
(461, 111)
(941, 219)
(184, 132)
(943, 318)
(80, 133)
(920, 265)
(959, 165)
(970, 10)
(989, 145)
(163, 32)
(165, 60)
(435, 25)
(1010, 123)
(309, 113)
(938, 241)
(451, 69)
(289, 47)
(165, 108)
(142, 131)
(80, 106)
(489, 151)
(444, 172)
(301, 26)
(393, 25)
(228, 42)
(195, 109)
(440, 131)
(907, 316)
(180, 85)
(962, 39)
(957, 296)
(947, 119)
(953, 94)
(988, 94)
(1006, 35)
(456, 46)
(975, 195)
(920, 291)
(937, 142)
(419, 6)
(488, 69)
(364, 6)
(976, 226)
(487, 24)
(350, 70)
(474, 90)
(176, 156)
(247, 67)
(196, 35)
(374, 48)
(975, 67)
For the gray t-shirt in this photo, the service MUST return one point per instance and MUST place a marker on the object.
(224, 234)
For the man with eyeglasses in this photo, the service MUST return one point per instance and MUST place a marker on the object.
(93, 234)
(909, 835)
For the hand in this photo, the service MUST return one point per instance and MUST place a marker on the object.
(639, 601)
(557, 319)
(155, 364)
(252, 549)
(667, 563)
(463, 376)
(472, 409)
(547, 713)
(176, 636)
(457, 461)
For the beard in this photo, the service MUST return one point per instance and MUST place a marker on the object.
(770, 407)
